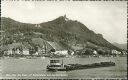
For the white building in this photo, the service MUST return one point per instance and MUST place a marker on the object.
(17, 51)
(95, 52)
(124, 52)
(36, 53)
(72, 53)
(115, 52)
(9, 52)
(26, 52)
(62, 52)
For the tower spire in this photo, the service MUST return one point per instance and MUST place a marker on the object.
(65, 16)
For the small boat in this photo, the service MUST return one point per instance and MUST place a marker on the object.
(55, 65)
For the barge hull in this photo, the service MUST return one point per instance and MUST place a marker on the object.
(79, 66)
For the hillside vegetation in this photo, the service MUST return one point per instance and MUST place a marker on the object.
(69, 34)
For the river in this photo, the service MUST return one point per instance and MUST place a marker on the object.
(36, 68)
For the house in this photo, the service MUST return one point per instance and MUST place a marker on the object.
(95, 52)
(16, 48)
(124, 52)
(8, 52)
(115, 52)
(18, 51)
(36, 53)
(72, 53)
(61, 52)
(58, 49)
(25, 52)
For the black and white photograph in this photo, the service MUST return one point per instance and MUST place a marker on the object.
(63, 39)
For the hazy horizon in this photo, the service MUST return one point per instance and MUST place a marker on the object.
(106, 18)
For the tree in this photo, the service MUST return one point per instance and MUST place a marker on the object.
(88, 52)
(101, 52)
(31, 51)
(52, 50)
(1, 53)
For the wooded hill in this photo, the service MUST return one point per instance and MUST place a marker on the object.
(67, 33)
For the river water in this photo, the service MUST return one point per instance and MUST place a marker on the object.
(36, 68)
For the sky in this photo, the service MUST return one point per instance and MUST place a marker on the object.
(108, 18)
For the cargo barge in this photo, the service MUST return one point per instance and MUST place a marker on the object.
(55, 65)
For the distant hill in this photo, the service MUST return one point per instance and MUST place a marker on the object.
(121, 46)
(67, 33)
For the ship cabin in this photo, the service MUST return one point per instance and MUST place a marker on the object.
(55, 65)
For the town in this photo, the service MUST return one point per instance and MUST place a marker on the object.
(20, 50)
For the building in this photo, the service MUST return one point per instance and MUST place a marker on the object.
(124, 52)
(61, 52)
(16, 48)
(25, 52)
(115, 52)
(95, 52)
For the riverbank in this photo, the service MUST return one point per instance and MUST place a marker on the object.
(69, 56)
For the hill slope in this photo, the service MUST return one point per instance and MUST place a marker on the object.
(121, 46)
(65, 32)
